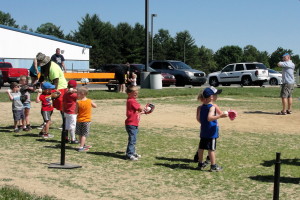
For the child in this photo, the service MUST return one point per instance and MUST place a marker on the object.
(133, 79)
(17, 106)
(133, 111)
(84, 113)
(47, 108)
(25, 92)
(209, 129)
(69, 105)
(218, 112)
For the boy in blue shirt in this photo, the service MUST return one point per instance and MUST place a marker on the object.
(209, 131)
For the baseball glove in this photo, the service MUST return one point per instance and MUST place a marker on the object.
(55, 95)
(149, 108)
(23, 98)
(232, 114)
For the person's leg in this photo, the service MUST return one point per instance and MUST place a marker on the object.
(284, 102)
(289, 103)
(132, 132)
(212, 157)
(200, 155)
(82, 141)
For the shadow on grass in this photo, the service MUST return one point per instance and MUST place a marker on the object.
(259, 112)
(119, 155)
(176, 166)
(269, 163)
(270, 178)
(58, 146)
(47, 140)
(27, 135)
(186, 160)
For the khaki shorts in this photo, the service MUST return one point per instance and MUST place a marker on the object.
(286, 90)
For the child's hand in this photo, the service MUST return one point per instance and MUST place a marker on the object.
(224, 115)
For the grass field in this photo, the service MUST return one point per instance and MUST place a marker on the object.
(166, 170)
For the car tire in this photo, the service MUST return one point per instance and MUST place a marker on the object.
(213, 81)
(273, 81)
(180, 81)
(246, 81)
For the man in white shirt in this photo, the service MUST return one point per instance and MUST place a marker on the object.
(287, 86)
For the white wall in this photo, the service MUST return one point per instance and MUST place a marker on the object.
(15, 44)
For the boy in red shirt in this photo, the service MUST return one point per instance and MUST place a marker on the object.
(69, 105)
(47, 108)
(133, 111)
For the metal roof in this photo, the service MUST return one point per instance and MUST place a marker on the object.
(50, 37)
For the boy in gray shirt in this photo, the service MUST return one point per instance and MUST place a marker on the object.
(17, 105)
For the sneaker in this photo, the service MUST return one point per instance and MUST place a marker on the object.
(87, 146)
(137, 155)
(41, 126)
(74, 142)
(41, 134)
(67, 140)
(201, 166)
(17, 130)
(25, 129)
(215, 168)
(207, 161)
(133, 158)
(46, 136)
(82, 149)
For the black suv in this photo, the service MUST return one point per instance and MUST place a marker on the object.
(183, 73)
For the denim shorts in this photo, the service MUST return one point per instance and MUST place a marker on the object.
(27, 105)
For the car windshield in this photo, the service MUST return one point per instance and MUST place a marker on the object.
(180, 65)
(251, 66)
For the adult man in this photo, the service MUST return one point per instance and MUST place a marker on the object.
(288, 82)
(59, 59)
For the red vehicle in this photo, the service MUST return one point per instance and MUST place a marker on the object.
(11, 74)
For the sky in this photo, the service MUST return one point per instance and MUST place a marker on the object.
(265, 24)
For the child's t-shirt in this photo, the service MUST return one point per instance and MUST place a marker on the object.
(209, 129)
(16, 102)
(84, 110)
(46, 102)
(69, 102)
(133, 116)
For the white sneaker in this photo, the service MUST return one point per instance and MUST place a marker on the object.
(133, 158)
(137, 155)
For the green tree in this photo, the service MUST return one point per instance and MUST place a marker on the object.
(50, 29)
(139, 44)
(250, 54)
(185, 48)
(162, 45)
(125, 42)
(227, 55)
(7, 20)
(206, 59)
(101, 36)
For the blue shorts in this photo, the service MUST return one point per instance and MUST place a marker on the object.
(27, 105)
(18, 115)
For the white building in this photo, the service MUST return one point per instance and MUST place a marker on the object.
(20, 47)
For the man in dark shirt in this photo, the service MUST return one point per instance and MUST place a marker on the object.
(59, 59)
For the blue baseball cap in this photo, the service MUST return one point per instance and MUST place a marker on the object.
(286, 54)
(47, 85)
(207, 92)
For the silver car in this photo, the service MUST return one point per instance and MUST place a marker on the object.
(275, 77)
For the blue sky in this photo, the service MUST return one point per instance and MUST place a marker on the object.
(265, 24)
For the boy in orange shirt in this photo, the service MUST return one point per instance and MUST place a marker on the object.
(84, 114)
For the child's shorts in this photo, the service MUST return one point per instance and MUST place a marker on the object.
(208, 144)
(18, 115)
(46, 115)
(26, 105)
(70, 121)
(83, 128)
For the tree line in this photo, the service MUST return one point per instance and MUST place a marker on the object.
(125, 43)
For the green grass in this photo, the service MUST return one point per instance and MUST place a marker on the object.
(166, 169)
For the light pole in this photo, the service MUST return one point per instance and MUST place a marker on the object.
(152, 15)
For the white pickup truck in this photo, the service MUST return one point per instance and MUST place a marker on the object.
(246, 74)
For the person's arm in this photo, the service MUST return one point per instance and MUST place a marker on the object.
(94, 105)
(76, 108)
(63, 66)
(218, 110)
(198, 114)
(36, 66)
(55, 82)
(37, 100)
(9, 95)
(211, 115)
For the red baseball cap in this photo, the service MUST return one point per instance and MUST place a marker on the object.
(72, 84)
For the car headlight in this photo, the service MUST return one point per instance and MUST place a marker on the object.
(189, 73)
